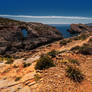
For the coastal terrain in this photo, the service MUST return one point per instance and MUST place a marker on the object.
(43, 60)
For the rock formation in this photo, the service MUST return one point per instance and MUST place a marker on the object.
(13, 40)
(78, 28)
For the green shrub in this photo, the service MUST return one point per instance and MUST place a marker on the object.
(44, 62)
(64, 42)
(37, 28)
(81, 37)
(37, 77)
(53, 53)
(74, 61)
(26, 64)
(17, 78)
(74, 74)
(75, 48)
(24, 59)
(86, 50)
(9, 62)
(69, 40)
(90, 40)
(15, 66)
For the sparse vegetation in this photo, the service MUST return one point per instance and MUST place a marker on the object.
(15, 66)
(26, 64)
(44, 62)
(64, 42)
(75, 48)
(37, 28)
(17, 78)
(81, 37)
(90, 40)
(37, 77)
(85, 49)
(74, 61)
(7, 70)
(24, 59)
(74, 74)
(53, 53)
(9, 61)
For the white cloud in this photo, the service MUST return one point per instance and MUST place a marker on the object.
(47, 17)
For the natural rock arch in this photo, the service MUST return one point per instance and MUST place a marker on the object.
(24, 32)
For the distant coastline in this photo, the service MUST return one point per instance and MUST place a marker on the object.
(50, 19)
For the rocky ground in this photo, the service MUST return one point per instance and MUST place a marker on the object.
(15, 77)
(13, 40)
(18, 72)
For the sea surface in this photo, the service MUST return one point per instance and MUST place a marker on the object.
(63, 29)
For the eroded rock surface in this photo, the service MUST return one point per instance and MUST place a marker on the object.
(13, 40)
(78, 28)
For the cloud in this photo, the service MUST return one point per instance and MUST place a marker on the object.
(47, 17)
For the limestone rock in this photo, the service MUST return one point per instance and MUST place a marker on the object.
(12, 38)
(78, 28)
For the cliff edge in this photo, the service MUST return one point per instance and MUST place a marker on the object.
(18, 36)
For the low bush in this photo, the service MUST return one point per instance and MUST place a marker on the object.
(74, 74)
(81, 37)
(9, 62)
(17, 78)
(74, 61)
(26, 64)
(86, 50)
(37, 77)
(53, 53)
(75, 48)
(25, 59)
(64, 42)
(90, 40)
(44, 62)
(15, 66)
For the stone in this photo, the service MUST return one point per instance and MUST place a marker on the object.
(78, 28)
(12, 39)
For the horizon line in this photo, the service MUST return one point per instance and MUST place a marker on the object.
(46, 17)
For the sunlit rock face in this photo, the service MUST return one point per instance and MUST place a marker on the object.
(18, 36)
(78, 28)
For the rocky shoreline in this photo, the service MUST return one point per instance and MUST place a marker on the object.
(12, 39)
(79, 28)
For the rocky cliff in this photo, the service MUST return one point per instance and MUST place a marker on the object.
(13, 40)
(78, 28)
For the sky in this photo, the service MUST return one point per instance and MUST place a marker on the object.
(48, 11)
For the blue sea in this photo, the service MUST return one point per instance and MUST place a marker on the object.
(63, 29)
